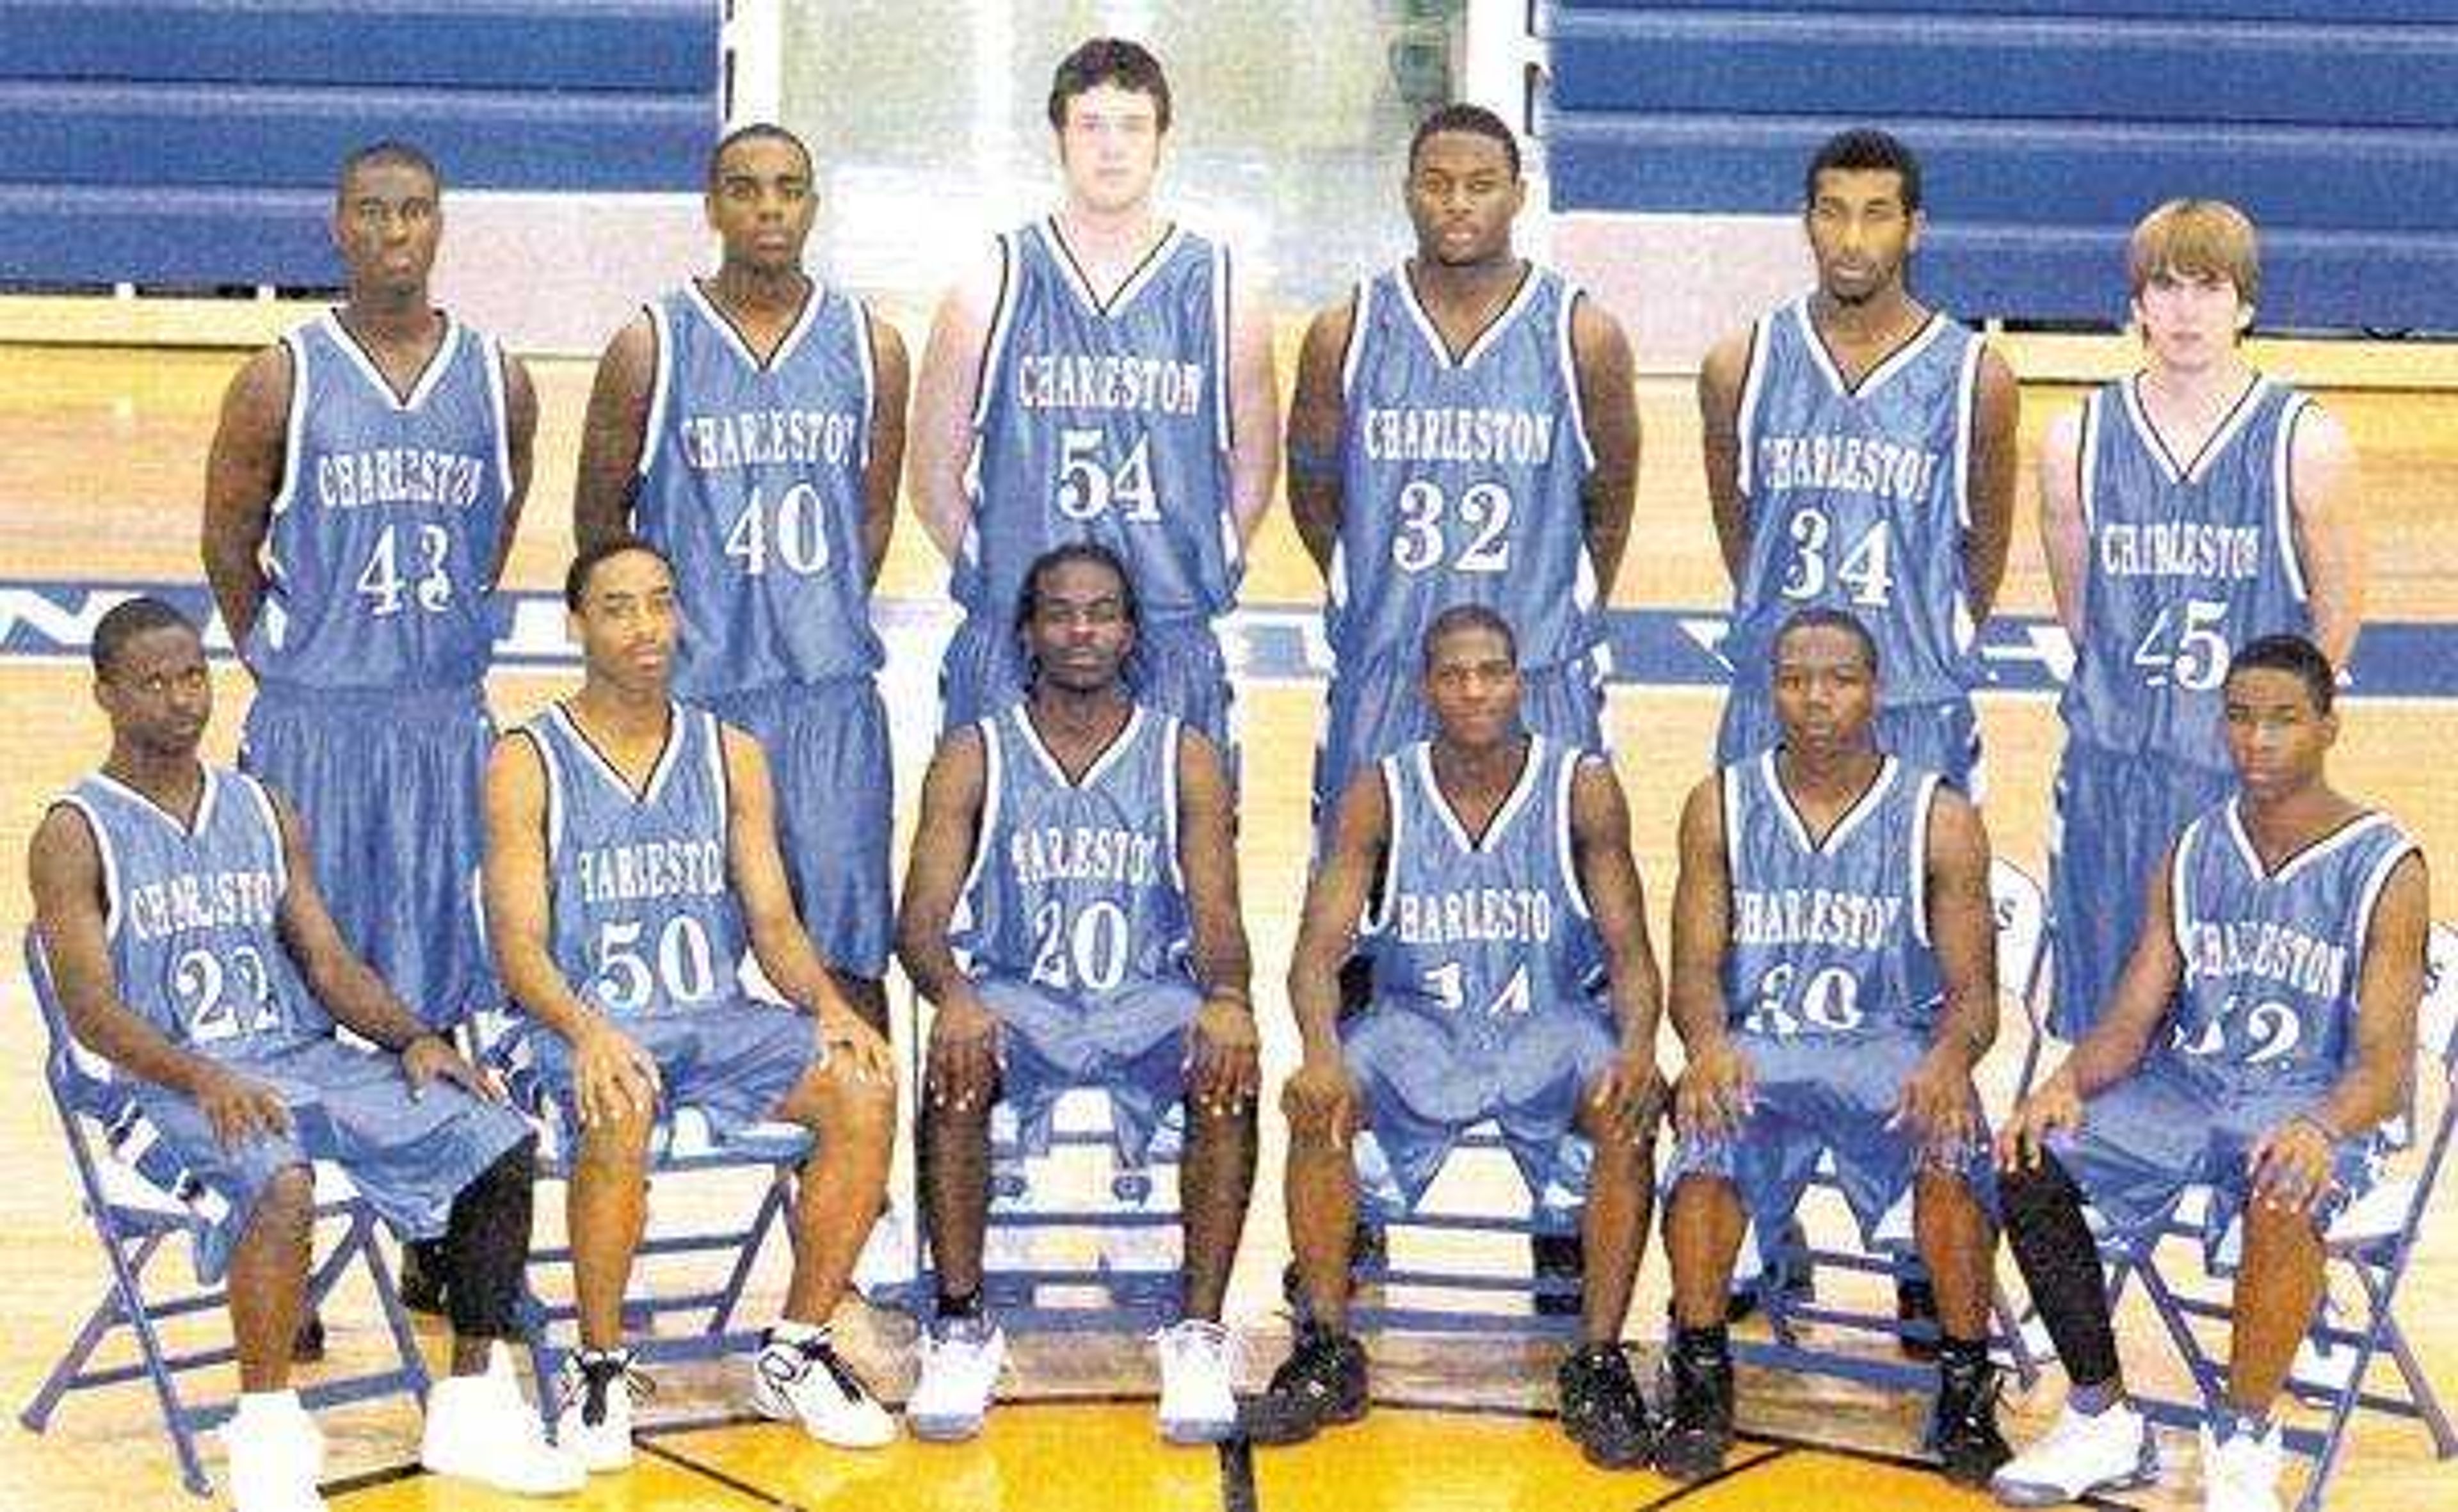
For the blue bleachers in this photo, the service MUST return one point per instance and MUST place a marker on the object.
(193, 142)
(2045, 127)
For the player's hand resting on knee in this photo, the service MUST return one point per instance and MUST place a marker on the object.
(611, 1077)
(1939, 1104)
(1224, 1066)
(2290, 1165)
(239, 1107)
(2056, 1106)
(1628, 1093)
(964, 1054)
(430, 1058)
(1716, 1092)
(1319, 1100)
(865, 1055)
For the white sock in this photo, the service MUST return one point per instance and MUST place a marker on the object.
(254, 1405)
(787, 1333)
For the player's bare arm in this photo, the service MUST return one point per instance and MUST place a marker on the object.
(1997, 410)
(612, 1076)
(2322, 491)
(2065, 535)
(1253, 405)
(892, 378)
(1632, 1089)
(243, 473)
(1939, 1101)
(614, 433)
(961, 1068)
(520, 450)
(1714, 1094)
(1317, 415)
(1609, 403)
(1719, 448)
(1319, 1099)
(779, 941)
(945, 391)
(1226, 1068)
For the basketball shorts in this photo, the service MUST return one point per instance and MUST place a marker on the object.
(1940, 737)
(1369, 714)
(734, 1061)
(1424, 1083)
(834, 779)
(389, 788)
(1132, 1043)
(409, 1154)
(1821, 1096)
(1177, 667)
(2115, 815)
(2146, 1139)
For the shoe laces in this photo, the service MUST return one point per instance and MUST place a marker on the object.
(1969, 1399)
(787, 1363)
(593, 1376)
(1313, 1365)
(1195, 1337)
(1597, 1380)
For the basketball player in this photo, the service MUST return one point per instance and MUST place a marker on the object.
(752, 427)
(1071, 909)
(1860, 455)
(1513, 980)
(363, 487)
(631, 859)
(1103, 378)
(181, 918)
(2262, 1029)
(1464, 431)
(2185, 510)
(1834, 981)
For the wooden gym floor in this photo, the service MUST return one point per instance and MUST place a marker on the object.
(101, 455)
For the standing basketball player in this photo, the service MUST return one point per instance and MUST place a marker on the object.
(363, 487)
(181, 923)
(2263, 1029)
(2186, 510)
(631, 865)
(1464, 431)
(752, 427)
(1513, 980)
(1860, 455)
(1072, 911)
(1104, 378)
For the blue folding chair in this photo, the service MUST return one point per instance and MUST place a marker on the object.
(2020, 912)
(138, 1197)
(1459, 1262)
(2369, 1248)
(657, 1293)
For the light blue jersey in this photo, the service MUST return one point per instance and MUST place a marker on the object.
(644, 919)
(1074, 886)
(1858, 498)
(1491, 930)
(751, 482)
(1830, 940)
(2188, 559)
(389, 520)
(2272, 957)
(1461, 481)
(1107, 422)
(192, 911)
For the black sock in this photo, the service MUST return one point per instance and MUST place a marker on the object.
(1961, 1355)
(2060, 1263)
(1711, 1342)
(966, 1304)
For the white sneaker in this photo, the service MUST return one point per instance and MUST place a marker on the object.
(807, 1381)
(277, 1455)
(480, 1428)
(2081, 1455)
(1198, 1401)
(2240, 1475)
(960, 1359)
(593, 1424)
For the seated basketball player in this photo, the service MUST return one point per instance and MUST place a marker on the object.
(1834, 981)
(1072, 912)
(181, 921)
(2263, 1028)
(631, 862)
(1513, 980)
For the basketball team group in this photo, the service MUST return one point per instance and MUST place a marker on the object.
(1090, 437)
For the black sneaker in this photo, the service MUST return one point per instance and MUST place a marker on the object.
(1916, 1311)
(307, 1344)
(1560, 1262)
(1602, 1409)
(1322, 1381)
(422, 1276)
(1963, 1426)
(1698, 1431)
